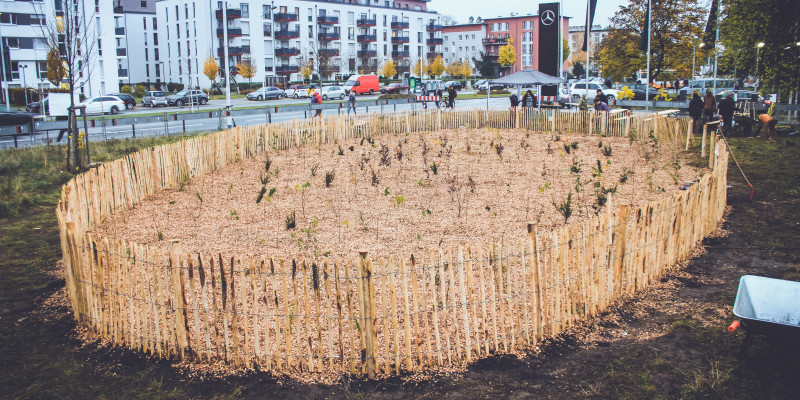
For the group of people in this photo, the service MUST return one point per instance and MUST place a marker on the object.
(529, 100)
(702, 111)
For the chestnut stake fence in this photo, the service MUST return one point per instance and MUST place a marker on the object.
(374, 314)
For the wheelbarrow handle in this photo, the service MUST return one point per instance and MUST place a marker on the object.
(733, 326)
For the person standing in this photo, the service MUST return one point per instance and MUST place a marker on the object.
(424, 94)
(726, 107)
(438, 94)
(583, 105)
(451, 100)
(696, 111)
(603, 98)
(316, 99)
(528, 100)
(351, 101)
(608, 83)
(709, 106)
(514, 102)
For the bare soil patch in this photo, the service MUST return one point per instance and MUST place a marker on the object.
(402, 193)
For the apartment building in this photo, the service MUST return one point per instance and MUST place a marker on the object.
(24, 27)
(463, 42)
(577, 33)
(466, 41)
(138, 27)
(280, 37)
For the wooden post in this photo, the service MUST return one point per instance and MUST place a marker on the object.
(368, 311)
(703, 142)
(179, 297)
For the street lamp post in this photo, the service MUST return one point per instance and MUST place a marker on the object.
(24, 84)
(758, 55)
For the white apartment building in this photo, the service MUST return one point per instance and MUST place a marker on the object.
(280, 36)
(139, 25)
(23, 29)
(463, 42)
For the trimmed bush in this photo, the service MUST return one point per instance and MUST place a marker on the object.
(139, 90)
(126, 89)
(501, 91)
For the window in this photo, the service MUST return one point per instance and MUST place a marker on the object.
(12, 42)
(155, 24)
(155, 39)
(178, 31)
(7, 18)
(155, 53)
(177, 16)
(194, 11)
(38, 19)
(419, 37)
(143, 4)
(147, 69)
(267, 12)
(245, 28)
(245, 8)
(146, 54)
(42, 67)
(15, 70)
(351, 33)
(144, 23)
(179, 49)
(187, 29)
(267, 29)
(186, 11)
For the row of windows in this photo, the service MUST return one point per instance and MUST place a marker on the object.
(465, 37)
(23, 19)
(504, 26)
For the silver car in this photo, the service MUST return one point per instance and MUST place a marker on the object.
(154, 98)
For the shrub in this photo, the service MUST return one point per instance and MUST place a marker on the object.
(174, 87)
(501, 91)
(126, 89)
(139, 90)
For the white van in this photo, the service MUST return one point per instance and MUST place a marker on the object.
(702, 84)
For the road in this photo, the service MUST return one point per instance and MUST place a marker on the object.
(126, 131)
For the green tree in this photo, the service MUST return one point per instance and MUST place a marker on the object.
(744, 24)
(485, 65)
(508, 56)
(675, 27)
(578, 70)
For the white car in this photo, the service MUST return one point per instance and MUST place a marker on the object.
(579, 88)
(332, 92)
(103, 105)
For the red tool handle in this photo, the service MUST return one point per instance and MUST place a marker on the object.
(733, 326)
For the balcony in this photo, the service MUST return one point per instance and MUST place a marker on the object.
(435, 41)
(367, 38)
(367, 22)
(122, 52)
(401, 54)
(232, 13)
(399, 25)
(119, 31)
(328, 36)
(329, 52)
(434, 28)
(285, 17)
(400, 39)
(495, 42)
(232, 51)
(118, 10)
(367, 53)
(287, 52)
(287, 69)
(433, 55)
(232, 32)
(327, 20)
(402, 68)
(287, 34)
(122, 73)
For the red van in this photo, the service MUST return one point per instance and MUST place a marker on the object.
(362, 84)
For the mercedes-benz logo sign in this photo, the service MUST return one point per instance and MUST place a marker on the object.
(548, 17)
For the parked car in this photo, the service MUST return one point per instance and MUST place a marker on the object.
(332, 92)
(453, 84)
(432, 85)
(579, 89)
(15, 118)
(270, 92)
(154, 98)
(564, 100)
(129, 100)
(187, 97)
(362, 84)
(745, 95)
(394, 88)
(639, 92)
(296, 91)
(36, 107)
(702, 84)
(103, 105)
(483, 83)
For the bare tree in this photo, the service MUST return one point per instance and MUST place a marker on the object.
(72, 32)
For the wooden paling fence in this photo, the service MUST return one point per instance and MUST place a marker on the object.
(374, 314)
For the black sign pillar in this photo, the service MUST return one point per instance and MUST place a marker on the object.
(549, 40)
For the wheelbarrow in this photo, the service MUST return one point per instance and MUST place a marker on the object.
(766, 306)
